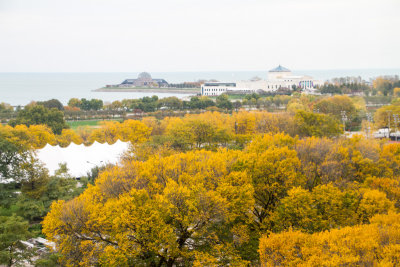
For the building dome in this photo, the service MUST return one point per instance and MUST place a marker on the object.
(280, 69)
(279, 73)
(145, 76)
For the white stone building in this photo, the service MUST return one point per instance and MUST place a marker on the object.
(278, 78)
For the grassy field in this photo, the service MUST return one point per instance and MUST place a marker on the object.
(76, 124)
(90, 123)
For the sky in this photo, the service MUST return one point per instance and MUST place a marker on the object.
(197, 35)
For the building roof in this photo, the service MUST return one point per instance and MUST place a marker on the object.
(144, 75)
(280, 69)
(160, 80)
(131, 81)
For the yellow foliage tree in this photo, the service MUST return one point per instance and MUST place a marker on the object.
(374, 244)
(396, 92)
(67, 137)
(273, 171)
(162, 211)
(111, 131)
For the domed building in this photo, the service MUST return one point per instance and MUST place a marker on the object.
(144, 79)
(278, 73)
(279, 78)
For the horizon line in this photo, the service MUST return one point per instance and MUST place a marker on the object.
(191, 71)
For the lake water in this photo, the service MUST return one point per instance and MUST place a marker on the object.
(22, 88)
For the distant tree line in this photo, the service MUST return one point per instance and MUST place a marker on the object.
(184, 85)
(345, 88)
(85, 104)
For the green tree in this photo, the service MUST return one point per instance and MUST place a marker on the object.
(172, 102)
(202, 102)
(5, 107)
(52, 103)
(38, 114)
(35, 179)
(39, 190)
(12, 155)
(330, 89)
(224, 102)
(13, 229)
(96, 104)
(48, 260)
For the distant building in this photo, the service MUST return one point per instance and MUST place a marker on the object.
(278, 78)
(143, 80)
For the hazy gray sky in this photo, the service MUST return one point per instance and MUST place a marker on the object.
(197, 35)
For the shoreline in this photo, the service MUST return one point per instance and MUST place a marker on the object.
(150, 90)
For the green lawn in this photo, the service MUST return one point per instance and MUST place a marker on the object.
(76, 124)
(90, 123)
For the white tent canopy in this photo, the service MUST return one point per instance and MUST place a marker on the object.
(79, 158)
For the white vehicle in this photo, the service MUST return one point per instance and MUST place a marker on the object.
(382, 133)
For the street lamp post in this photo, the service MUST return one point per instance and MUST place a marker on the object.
(369, 121)
(396, 120)
(389, 125)
(344, 119)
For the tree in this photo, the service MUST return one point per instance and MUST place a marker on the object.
(350, 161)
(385, 113)
(36, 136)
(111, 131)
(335, 105)
(96, 104)
(75, 102)
(200, 102)
(52, 103)
(274, 170)
(396, 92)
(312, 153)
(326, 207)
(13, 154)
(35, 180)
(314, 124)
(67, 137)
(224, 102)
(172, 102)
(13, 229)
(383, 85)
(237, 105)
(39, 190)
(330, 89)
(374, 244)
(164, 211)
(6, 111)
(179, 134)
(92, 104)
(38, 114)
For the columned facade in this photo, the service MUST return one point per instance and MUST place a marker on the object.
(278, 78)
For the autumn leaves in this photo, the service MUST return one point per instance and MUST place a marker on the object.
(218, 189)
(212, 208)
